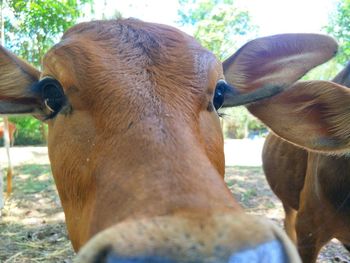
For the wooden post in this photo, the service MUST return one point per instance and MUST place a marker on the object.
(2, 41)
(5, 119)
(1, 192)
(6, 127)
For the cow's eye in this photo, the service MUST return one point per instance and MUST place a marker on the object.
(52, 96)
(219, 94)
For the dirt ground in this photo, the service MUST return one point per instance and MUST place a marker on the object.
(32, 224)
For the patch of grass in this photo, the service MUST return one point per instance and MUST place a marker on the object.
(270, 205)
(32, 178)
(33, 169)
(249, 194)
(230, 183)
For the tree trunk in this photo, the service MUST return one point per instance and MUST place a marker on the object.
(9, 164)
(2, 42)
(246, 129)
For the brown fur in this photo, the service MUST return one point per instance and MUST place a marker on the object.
(138, 144)
(314, 189)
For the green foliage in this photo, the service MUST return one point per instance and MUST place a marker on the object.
(34, 178)
(29, 131)
(237, 122)
(33, 26)
(339, 27)
(218, 24)
(248, 194)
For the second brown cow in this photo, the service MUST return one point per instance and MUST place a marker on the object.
(314, 187)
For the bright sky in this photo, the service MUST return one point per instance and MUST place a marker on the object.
(289, 16)
(272, 16)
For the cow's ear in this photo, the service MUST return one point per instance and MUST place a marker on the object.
(16, 79)
(266, 66)
(313, 114)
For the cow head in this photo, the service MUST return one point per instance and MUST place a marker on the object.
(135, 143)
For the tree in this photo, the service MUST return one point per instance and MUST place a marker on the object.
(218, 24)
(222, 28)
(339, 27)
(31, 28)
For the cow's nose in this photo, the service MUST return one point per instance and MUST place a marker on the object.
(224, 238)
(269, 252)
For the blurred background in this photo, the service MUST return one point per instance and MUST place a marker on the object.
(31, 27)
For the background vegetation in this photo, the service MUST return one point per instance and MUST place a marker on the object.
(339, 27)
(33, 26)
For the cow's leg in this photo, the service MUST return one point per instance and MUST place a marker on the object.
(289, 222)
(311, 236)
(347, 247)
(306, 239)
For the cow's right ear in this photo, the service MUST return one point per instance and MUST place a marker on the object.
(311, 114)
(17, 78)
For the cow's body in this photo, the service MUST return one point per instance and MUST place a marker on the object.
(135, 143)
(314, 189)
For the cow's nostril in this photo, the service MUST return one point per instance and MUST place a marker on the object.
(103, 255)
(269, 252)
(107, 255)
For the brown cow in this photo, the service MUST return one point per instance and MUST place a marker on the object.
(135, 143)
(12, 129)
(314, 189)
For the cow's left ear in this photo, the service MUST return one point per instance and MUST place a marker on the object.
(266, 66)
(312, 114)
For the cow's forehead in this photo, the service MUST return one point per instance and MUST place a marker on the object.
(135, 43)
(131, 52)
